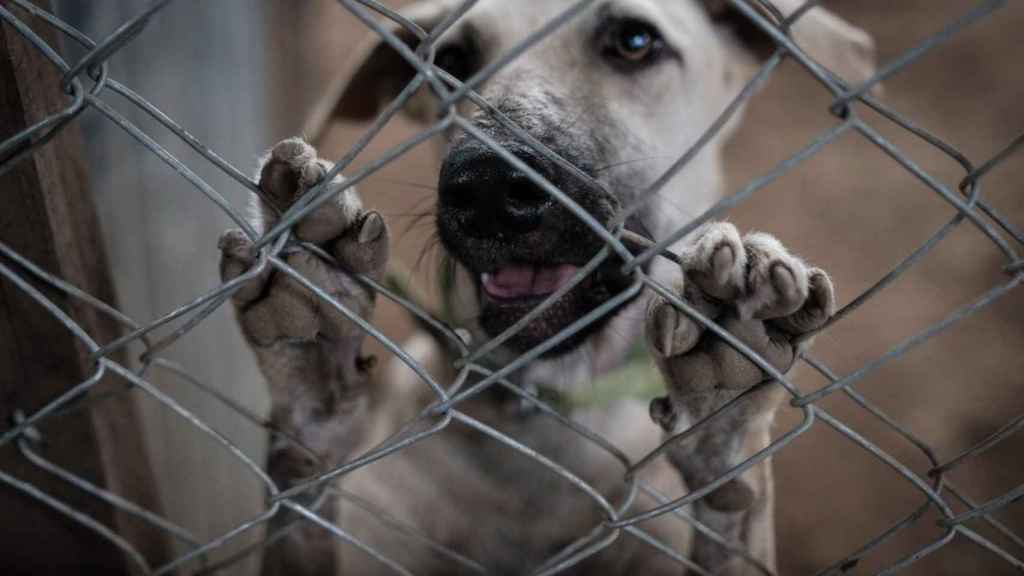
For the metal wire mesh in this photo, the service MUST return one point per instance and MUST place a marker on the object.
(87, 82)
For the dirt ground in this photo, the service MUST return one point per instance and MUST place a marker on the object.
(855, 212)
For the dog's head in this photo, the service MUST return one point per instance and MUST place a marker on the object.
(619, 91)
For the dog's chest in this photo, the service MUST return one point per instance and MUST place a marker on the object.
(484, 499)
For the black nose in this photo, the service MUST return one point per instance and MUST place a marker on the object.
(487, 195)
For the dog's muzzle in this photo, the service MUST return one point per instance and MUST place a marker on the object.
(491, 203)
(519, 243)
(489, 196)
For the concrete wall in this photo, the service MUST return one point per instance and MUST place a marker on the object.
(203, 64)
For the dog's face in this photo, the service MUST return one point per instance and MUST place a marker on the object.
(619, 92)
(594, 93)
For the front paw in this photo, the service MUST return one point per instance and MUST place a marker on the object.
(275, 307)
(754, 288)
(308, 349)
(765, 297)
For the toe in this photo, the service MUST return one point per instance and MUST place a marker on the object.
(237, 258)
(777, 281)
(819, 306)
(236, 254)
(293, 150)
(282, 173)
(333, 217)
(363, 248)
(669, 331)
(287, 173)
(716, 261)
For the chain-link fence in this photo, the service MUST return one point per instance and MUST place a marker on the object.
(87, 84)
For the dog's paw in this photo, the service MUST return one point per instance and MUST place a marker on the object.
(754, 288)
(274, 306)
(765, 297)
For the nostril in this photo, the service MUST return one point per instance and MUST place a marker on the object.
(523, 194)
(525, 204)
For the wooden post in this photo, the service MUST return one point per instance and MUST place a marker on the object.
(48, 217)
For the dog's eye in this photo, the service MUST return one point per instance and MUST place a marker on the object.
(634, 42)
(455, 60)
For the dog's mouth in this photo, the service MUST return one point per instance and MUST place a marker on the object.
(508, 292)
(522, 248)
(518, 282)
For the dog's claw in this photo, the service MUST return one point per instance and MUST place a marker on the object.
(723, 263)
(364, 250)
(671, 333)
(372, 228)
(716, 262)
(819, 306)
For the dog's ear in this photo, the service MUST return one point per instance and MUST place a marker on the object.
(834, 43)
(375, 73)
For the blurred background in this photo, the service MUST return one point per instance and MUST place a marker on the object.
(242, 75)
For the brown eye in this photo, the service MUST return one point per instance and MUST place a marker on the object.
(635, 41)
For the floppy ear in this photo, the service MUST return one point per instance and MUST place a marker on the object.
(375, 74)
(834, 43)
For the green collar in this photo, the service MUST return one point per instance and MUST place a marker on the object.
(636, 378)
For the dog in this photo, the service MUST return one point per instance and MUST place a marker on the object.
(617, 93)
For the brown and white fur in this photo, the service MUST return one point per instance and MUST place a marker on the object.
(622, 124)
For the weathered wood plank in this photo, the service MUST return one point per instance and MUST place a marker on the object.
(50, 219)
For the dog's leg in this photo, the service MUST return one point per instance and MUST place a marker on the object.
(308, 351)
(765, 297)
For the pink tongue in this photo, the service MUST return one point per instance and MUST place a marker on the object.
(519, 281)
